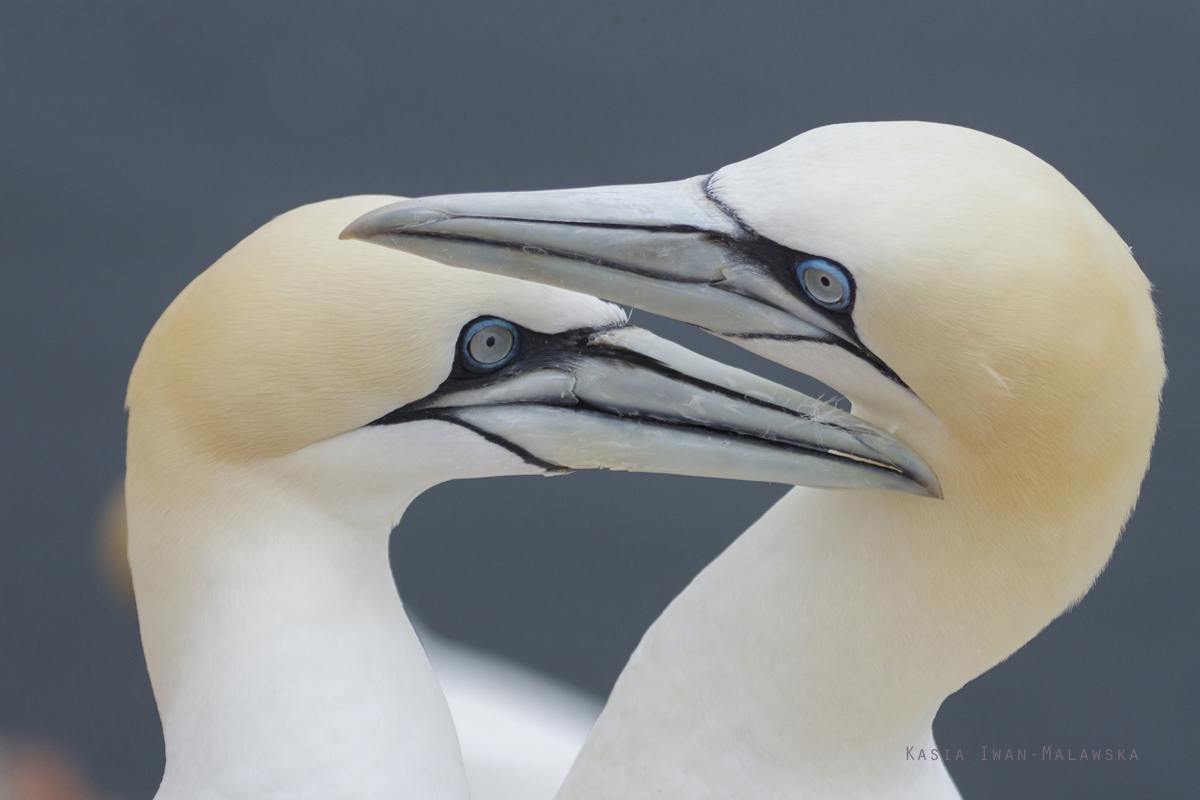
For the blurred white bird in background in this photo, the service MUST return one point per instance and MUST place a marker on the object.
(520, 730)
(966, 298)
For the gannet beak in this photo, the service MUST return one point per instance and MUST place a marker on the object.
(622, 398)
(668, 248)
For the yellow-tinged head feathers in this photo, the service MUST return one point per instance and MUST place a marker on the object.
(293, 336)
(992, 286)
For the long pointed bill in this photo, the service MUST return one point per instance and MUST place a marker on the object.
(665, 248)
(624, 399)
(668, 248)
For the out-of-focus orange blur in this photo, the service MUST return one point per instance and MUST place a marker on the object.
(38, 770)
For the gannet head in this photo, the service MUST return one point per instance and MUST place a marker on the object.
(362, 371)
(957, 289)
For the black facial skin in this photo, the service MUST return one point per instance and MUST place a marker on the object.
(781, 262)
(562, 351)
(536, 351)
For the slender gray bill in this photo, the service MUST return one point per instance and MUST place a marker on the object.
(624, 399)
(668, 248)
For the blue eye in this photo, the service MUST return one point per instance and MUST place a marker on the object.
(826, 282)
(489, 344)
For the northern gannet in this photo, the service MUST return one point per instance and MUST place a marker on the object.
(286, 408)
(966, 298)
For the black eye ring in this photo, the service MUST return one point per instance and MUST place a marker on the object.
(488, 344)
(825, 282)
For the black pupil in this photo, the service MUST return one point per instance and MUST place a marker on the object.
(824, 281)
(491, 341)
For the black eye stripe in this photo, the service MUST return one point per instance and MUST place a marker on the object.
(781, 262)
(536, 351)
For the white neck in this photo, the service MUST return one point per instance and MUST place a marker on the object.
(771, 674)
(809, 656)
(280, 654)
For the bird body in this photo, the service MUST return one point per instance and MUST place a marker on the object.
(966, 298)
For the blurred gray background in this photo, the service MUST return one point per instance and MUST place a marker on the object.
(139, 141)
